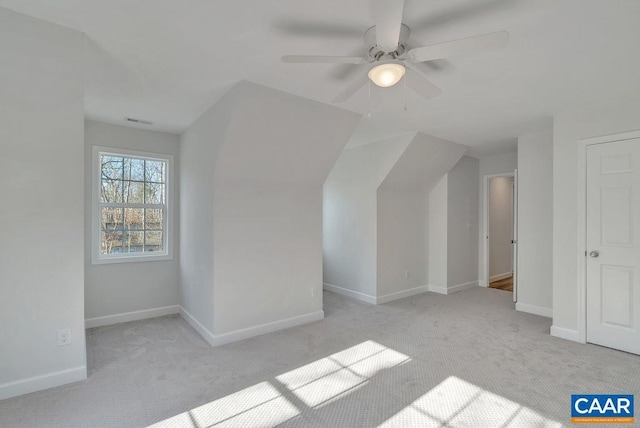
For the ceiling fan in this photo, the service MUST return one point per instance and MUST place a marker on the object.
(387, 50)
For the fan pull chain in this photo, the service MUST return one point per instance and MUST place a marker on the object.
(404, 88)
(369, 107)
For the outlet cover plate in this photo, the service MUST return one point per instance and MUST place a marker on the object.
(64, 337)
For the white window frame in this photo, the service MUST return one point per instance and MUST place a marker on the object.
(96, 256)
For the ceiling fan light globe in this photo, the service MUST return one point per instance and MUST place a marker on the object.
(386, 75)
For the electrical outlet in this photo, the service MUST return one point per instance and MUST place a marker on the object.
(64, 337)
(313, 292)
(406, 273)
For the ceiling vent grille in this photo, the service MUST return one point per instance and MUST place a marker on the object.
(140, 121)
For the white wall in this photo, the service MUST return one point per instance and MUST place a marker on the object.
(453, 229)
(256, 160)
(377, 216)
(500, 228)
(498, 163)
(403, 214)
(199, 147)
(349, 236)
(438, 236)
(41, 183)
(402, 240)
(462, 224)
(568, 128)
(493, 164)
(268, 206)
(535, 222)
(350, 214)
(268, 254)
(117, 288)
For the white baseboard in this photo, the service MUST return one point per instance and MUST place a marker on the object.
(131, 316)
(245, 333)
(533, 309)
(437, 289)
(565, 333)
(452, 289)
(372, 299)
(38, 383)
(498, 277)
(482, 284)
(462, 287)
(401, 294)
(202, 330)
(270, 327)
(350, 293)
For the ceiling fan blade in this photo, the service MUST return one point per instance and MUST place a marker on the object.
(420, 84)
(482, 43)
(435, 65)
(387, 15)
(428, 66)
(324, 59)
(346, 72)
(351, 89)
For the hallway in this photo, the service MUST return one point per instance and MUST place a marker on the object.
(504, 284)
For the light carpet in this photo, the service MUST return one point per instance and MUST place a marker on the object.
(462, 360)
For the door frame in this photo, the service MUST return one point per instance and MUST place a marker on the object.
(583, 144)
(484, 281)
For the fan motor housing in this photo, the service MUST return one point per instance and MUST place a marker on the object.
(375, 53)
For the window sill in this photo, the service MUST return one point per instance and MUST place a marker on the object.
(131, 259)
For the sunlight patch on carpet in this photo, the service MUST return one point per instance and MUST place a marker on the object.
(455, 403)
(271, 403)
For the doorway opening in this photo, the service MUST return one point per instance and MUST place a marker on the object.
(500, 203)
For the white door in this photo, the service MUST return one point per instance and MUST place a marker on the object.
(613, 245)
(514, 234)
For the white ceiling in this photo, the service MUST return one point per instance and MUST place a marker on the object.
(167, 61)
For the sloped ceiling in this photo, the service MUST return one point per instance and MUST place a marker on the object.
(167, 61)
(275, 137)
(425, 161)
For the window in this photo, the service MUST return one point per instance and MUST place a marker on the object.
(131, 215)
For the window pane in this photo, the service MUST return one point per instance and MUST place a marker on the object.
(153, 241)
(154, 193)
(133, 192)
(133, 218)
(111, 220)
(155, 171)
(111, 242)
(131, 181)
(111, 167)
(111, 191)
(134, 242)
(133, 169)
(153, 219)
